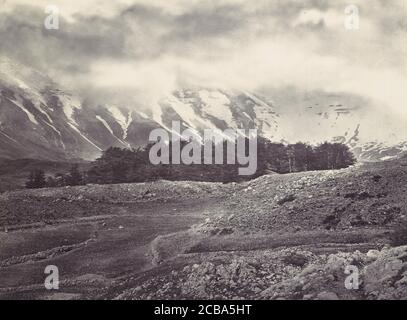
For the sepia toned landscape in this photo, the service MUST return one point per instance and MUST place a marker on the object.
(200, 150)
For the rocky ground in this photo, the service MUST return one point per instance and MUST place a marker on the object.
(53, 204)
(277, 237)
(372, 195)
(292, 273)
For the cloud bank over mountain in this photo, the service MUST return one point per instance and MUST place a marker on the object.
(137, 51)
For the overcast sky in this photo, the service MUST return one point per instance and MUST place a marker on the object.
(152, 47)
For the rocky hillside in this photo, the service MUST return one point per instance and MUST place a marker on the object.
(277, 237)
(368, 195)
(293, 273)
(291, 237)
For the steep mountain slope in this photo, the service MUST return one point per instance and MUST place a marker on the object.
(39, 120)
(367, 127)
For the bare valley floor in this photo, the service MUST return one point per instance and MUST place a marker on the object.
(276, 237)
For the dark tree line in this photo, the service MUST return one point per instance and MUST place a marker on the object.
(36, 179)
(74, 177)
(118, 165)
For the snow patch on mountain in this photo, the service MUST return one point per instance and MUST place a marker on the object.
(217, 105)
(246, 115)
(157, 116)
(19, 103)
(44, 113)
(185, 109)
(8, 137)
(106, 125)
(388, 158)
(123, 120)
(83, 136)
(128, 123)
(143, 115)
(58, 132)
(70, 104)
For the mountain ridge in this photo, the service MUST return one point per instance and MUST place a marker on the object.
(40, 120)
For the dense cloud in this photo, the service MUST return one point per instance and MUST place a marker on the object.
(130, 47)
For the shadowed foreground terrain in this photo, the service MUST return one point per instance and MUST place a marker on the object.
(277, 237)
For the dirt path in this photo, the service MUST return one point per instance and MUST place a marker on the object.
(90, 253)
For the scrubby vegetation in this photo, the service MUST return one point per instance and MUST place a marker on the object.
(37, 179)
(118, 165)
(15, 173)
(399, 235)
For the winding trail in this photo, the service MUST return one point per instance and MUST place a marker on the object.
(89, 253)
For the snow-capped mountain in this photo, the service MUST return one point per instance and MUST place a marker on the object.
(39, 120)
